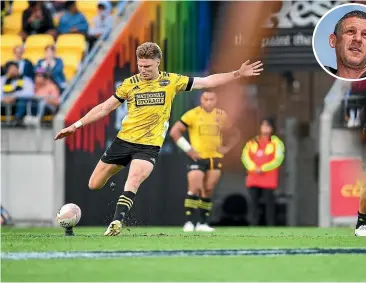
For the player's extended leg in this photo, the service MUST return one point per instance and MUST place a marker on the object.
(205, 205)
(361, 220)
(139, 171)
(195, 185)
(102, 173)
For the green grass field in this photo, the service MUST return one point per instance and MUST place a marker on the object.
(345, 267)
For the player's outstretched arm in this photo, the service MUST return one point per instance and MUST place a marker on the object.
(177, 135)
(246, 70)
(97, 113)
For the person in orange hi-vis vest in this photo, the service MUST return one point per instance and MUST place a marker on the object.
(262, 157)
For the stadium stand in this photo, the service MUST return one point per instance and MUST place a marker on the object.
(72, 49)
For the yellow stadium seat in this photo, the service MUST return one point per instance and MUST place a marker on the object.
(65, 53)
(87, 6)
(19, 6)
(70, 43)
(33, 56)
(9, 41)
(69, 72)
(12, 24)
(38, 42)
(70, 60)
(6, 56)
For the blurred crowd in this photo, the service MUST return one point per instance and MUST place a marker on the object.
(43, 44)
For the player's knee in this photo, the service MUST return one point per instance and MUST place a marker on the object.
(93, 185)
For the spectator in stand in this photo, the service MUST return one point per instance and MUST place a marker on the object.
(16, 88)
(57, 9)
(72, 21)
(25, 66)
(37, 20)
(48, 90)
(103, 22)
(54, 66)
(46, 99)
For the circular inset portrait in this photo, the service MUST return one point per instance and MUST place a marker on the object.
(339, 42)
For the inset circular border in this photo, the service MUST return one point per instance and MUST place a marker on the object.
(313, 42)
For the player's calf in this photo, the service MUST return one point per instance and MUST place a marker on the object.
(139, 171)
(190, 211)
(205, 207)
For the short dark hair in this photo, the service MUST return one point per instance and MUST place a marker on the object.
(12, 63)
(353, 14)
(32, 3)
(69, 4)
(50, 46)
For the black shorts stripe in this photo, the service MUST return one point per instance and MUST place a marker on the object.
(134, 79)
(190, 84)
(120, 99)
(137, 78)
(213, 163)
(131, 81)
(183, 123)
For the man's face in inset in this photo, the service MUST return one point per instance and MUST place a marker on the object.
(350, 43)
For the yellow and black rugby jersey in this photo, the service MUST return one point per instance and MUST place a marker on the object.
(149, 105)
(204, 129)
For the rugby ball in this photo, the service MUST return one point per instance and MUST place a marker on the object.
(69, 215)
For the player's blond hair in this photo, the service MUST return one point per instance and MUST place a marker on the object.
(149, 50)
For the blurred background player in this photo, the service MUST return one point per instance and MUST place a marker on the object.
(262, 157)
(149, 97)
(361, 219)
(205, 124)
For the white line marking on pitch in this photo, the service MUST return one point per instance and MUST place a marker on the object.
(176, 253)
